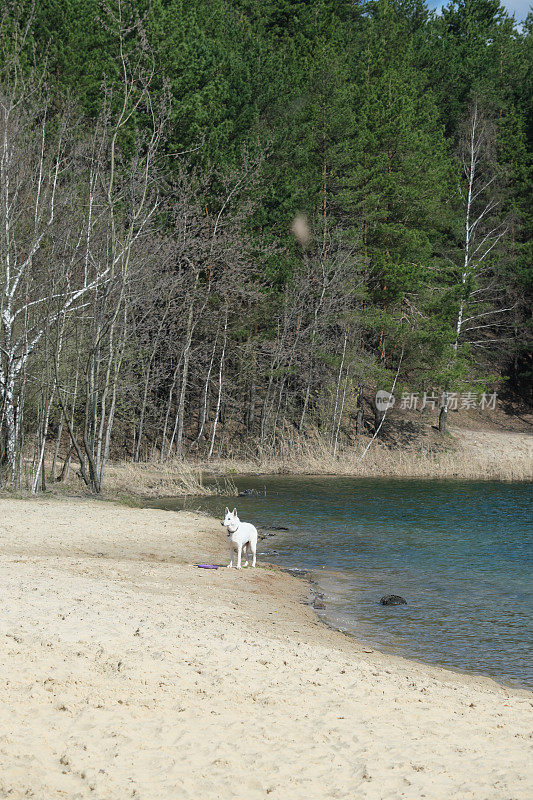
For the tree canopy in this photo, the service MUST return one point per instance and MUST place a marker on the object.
(369, 123)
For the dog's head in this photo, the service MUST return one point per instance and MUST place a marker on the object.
(231, 520)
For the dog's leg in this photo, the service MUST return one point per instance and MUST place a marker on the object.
(245, 554)
(239, 553)
(253, 548)
(231, 557)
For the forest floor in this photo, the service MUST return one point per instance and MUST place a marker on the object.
(131, 673)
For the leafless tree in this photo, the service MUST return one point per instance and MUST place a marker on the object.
(121, 203)
(41, 264)
(484, 229)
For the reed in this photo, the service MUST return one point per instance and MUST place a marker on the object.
(313, 455)
(468, 455)
(151, 479)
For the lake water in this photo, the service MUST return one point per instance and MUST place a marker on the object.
(460, 552)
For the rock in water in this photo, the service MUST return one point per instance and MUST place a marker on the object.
(393, 600)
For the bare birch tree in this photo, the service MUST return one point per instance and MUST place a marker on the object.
(484, 230)
(481, 314)
(122, 201)
(41, 228)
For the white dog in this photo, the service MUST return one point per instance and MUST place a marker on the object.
(242, 537)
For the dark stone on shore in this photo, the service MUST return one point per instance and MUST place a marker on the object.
(318, 603)
(297, 573)
(393, 600)
(266, 535)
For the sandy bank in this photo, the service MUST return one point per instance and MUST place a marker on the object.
(128, 673)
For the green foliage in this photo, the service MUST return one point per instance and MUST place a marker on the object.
(358, 107)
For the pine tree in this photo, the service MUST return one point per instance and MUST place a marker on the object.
(395, 175)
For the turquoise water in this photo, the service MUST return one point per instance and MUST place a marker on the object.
(459, 552)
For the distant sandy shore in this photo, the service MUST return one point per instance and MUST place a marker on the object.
(126, 672)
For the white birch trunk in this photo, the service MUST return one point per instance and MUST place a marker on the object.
(219, 396)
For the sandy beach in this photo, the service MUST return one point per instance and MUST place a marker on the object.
(126, 672)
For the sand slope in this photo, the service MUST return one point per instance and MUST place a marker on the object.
(127, 673)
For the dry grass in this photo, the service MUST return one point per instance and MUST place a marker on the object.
(151, 479)
(467, 455)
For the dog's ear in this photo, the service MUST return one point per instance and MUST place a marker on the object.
(234, 512)
(227, 510)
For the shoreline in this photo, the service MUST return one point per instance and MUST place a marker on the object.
(319, 593)
(466, 454)
(385, 651)
(134, 674)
